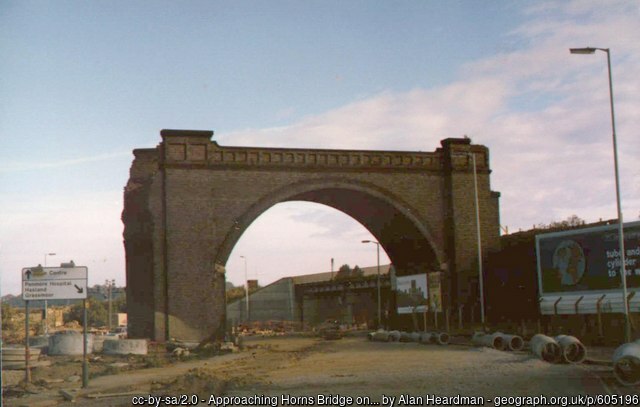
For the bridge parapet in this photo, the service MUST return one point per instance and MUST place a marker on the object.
(187, 147)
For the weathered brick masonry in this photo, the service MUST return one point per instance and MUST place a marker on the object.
(189, 200)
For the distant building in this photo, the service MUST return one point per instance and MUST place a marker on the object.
(122, 319)
(311, 299)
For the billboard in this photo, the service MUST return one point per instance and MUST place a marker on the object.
(435, 291)
(587, 260)
(411, 293)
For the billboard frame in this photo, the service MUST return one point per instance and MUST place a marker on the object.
(418, 278)
(577, 232)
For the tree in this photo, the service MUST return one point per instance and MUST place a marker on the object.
(9, 322)
(120, 304)
(572, 221)
(234, 293)
(97, 313)
(343, 272)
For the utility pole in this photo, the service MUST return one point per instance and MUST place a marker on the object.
(109, 285)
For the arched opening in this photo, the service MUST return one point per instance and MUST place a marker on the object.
(369, 301)
(403, 236)
(297, 238)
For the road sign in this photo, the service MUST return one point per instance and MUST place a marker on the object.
(54, 283)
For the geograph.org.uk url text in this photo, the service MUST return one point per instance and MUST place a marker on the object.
(386, 401)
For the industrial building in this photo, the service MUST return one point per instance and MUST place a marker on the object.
(311, 299)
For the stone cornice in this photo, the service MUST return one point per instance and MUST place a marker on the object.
(195, 149)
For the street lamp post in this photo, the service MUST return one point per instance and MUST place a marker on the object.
(46, 311)
(623, 270)
(109, 285)
(246, 281)
(378, 280)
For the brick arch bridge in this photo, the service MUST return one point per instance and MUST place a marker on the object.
(189, 200)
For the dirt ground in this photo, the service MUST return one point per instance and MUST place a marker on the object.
(307, 366)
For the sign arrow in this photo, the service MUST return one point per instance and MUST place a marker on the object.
(28, 274)
(80, 290)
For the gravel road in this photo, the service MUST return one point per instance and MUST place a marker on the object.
(304, 369)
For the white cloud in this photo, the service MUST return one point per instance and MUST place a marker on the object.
(8, 167)
(543, 112)
(389, 120)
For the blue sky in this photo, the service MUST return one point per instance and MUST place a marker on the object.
(84, 83)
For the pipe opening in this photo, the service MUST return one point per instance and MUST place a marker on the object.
(516, 343)
(550, 353)
(443, 339)
(498, 342)
(627, 370)
(575, 353)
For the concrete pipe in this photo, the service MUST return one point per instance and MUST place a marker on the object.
(69, 343)
(573, 351)
(425, 337)
(394, 336)
(488, 340)
(13, 358)
(124, 347)
(409, 337)
(626, 363)
(512, 342)
(545, 348)
(40, 342)
(380, 336)
(98, 341)
(440, 338)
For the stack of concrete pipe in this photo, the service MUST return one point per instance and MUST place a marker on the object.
(546, 348)
(394, 336)
(488, 340)
(512, 342)
(626, 363)
(13, 358)
(380, 336)
(386, 336)
(498, 340)
(439, 338)
(572, 350)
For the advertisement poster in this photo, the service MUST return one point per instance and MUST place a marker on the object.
(435, 291)
(587, 259)
(411, 293)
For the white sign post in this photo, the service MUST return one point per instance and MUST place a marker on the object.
(54, 283)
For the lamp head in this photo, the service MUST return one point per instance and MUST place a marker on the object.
(366, 241)
(583, 51)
